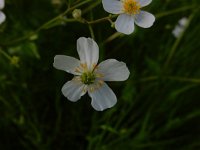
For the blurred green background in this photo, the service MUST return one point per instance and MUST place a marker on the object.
(158, 106)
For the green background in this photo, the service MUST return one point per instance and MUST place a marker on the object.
(158, 107)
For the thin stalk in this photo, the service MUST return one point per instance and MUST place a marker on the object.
(174, 11)
(177, 42)
(49, 22)
(173, 78)
(5, 54)
(91, 32)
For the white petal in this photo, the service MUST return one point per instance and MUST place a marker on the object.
(2, 17)
(2, 4)
(125, 24)
(102, 98)
(144, 19)
(112, 6)
(144, 2)
(88, 51)
(73, 90)
(183, 22)
(113, 70)
(177, 31)
(66, 63)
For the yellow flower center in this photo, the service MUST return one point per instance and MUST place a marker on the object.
(88, 78)
(131, 7)
(87, 75)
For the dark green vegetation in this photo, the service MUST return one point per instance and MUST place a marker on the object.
(158, 106)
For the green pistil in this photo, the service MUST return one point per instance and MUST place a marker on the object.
(88, 78)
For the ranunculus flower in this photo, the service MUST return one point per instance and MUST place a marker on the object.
(130, 13)
(89, 77)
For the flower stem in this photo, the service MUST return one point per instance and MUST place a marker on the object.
(177, 42)
(91, 32)
(82, 20)
(48, 23)
(173, 78)
(177, 10)
(5, 54)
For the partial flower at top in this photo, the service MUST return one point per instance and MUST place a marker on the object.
(89, 77)
(129, 13)
(2, 15)
(180, 27)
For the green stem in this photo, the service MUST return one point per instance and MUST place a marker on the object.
(60, 17)
(175, 78)
(49, 22)
(91, 32)
(177, 42)
(102, 19)
(183, 79)
(84, 21)
(112, 37)
(5, 54)
(163, 14)
(92, 6)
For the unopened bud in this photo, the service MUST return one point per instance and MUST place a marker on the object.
(76, 14)
(112, 25)
(15, 60)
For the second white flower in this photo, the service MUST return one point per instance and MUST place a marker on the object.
(130, 13)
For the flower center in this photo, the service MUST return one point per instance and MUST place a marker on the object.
(88, 78)
(131, 7)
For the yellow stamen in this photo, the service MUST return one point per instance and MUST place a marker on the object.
(99, 75)
(92, 89)
(88, 78)
(84, 89)
(96, 86)
(131, 7)
(77, 79)
(84, 66)
(77, 70)
(100, 83)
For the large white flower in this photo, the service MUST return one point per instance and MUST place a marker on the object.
(89, 77)
(129, 13)
(2, 15)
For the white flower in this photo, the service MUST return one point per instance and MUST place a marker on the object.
(89, 77)
(2, 15)
(129, 13)
(180, 27)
